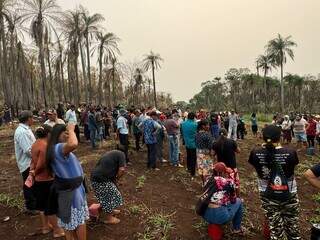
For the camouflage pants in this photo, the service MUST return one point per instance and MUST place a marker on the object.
(283, 218)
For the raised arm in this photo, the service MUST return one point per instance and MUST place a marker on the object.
(72, 141)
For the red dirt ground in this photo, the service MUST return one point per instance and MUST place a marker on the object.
(168, 192)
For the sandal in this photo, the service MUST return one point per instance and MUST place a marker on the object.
(113, 221)
(59, 235)
(116, 212)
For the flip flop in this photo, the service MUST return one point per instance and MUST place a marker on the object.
(112, 222)
(116, 212)
(59, 235)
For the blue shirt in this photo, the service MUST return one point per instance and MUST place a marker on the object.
(150, 128)
(23, 140)
(69, 167)
(189, 131)
(122, 125)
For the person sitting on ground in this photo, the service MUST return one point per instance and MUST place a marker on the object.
(275, 167)
(225, 150)
(299, 129)
(68, 194)
(109, 169)
(204, 141)
(53, 119)
(43, 180)
(224, 206)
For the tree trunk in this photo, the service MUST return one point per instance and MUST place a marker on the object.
(114, 87)
(100, 78)
(77, 88)
(88, 62)
(51, 92)
(84, 73)
(7, 95)
(282, 88)
(265, 92)
(154, 87)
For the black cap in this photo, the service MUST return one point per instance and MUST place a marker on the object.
(271, 133)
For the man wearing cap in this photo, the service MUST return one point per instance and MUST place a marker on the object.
(53, 119)
(123, 131)
(23, 140)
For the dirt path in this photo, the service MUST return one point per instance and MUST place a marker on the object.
(158, 205)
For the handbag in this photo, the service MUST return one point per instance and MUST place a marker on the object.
(204, 200)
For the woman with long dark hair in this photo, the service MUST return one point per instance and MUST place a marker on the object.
(68, 189)
(275, 166)
(43, 180)
(225, 150)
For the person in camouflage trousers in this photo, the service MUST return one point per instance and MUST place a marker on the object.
(283, 218)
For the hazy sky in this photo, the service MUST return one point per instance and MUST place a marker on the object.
(201, 39)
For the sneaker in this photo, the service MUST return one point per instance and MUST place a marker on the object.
(156, 169)
(164, 161)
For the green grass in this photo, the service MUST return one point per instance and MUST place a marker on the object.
(261, 117)
(140, 181)
(12, 201)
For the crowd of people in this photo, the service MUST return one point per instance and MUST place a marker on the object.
(54, 182)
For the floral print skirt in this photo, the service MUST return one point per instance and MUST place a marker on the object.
(204, 163)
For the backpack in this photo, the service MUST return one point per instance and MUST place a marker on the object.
(204, 200)
(278, 188)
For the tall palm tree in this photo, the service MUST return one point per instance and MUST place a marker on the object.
(72, 27)
(91, 27)
(138, 82)
(278, 49)
(152, 61)
(265, 62)
(107, 48)
(43, 14)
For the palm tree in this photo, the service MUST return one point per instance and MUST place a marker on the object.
(107, 48)
(91, 26)
(278, 49)
(138, 82)
(42, 14)
(265, 62)
(72, 27)
(152, 61)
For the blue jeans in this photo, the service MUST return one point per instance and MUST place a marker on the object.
(93, 137)
(224, 214)
(174, 149)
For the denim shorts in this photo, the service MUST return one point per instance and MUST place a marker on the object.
(300, 137)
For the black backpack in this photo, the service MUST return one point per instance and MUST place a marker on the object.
(278, 188)
(204, 200)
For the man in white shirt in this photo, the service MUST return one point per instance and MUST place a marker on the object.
(123, 132)
(23, 140)
(53, 119)
(299, 129)
(233, 125)
(71, 118)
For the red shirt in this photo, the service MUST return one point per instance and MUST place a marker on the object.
(312, 128)
(38, 162)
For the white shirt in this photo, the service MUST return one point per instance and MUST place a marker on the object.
(71, 117)
(122, 125)
(52, 123)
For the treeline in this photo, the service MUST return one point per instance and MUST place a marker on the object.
(71, 59)
(245, 91)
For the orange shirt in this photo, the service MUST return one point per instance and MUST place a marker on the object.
(38, 162)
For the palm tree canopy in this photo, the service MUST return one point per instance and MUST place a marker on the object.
(279, 48)
(152, 60)
(43, 13)
(265, 62)
(90, 22)
(107, 45)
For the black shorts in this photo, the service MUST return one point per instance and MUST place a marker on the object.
(42, 192)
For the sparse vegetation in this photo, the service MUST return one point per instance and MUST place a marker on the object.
(140, 181)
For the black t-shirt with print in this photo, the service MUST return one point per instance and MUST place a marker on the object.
(204, 140)
(286, 157)
(316, 170)
(227, 152)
